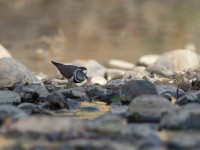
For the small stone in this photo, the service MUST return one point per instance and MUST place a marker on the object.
(148, 108)
(11, 72)
(72, 104)
(114, 74)
(12, 112)
(178, 60)
(147, 60)
(98, 80)
(119, 110)
(120, 64)
(135, 88)
(185, 118)
(4, 52)
(9, 97)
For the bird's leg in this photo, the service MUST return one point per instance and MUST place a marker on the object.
(69, 84)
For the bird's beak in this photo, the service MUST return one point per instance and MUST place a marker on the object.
(85, 75)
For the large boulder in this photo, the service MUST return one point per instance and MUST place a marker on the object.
(12, 71)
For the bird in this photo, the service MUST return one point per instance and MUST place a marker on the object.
(72, 73)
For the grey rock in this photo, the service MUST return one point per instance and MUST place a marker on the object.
(72, 104)
(178, 60)
(184, 140)
(30, 93)
(136, 74)
(160, 70)
(119, 110)
(96, 91)
(185, 118)
(164, 89)
(75, 93)
(9, 97)
(148, 108)
(29, 108)
(12, 72)
(12, 112)
(135, 88)
(189, 97)
(43, 125)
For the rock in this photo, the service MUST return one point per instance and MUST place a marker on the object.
(4, 52)
(29, 108)
(97, 92)
(106, 125)
(136, 74)
(160, 70)
(119, 110)
(75, 93)
(11, 72)
(144, 136)
(147, 60)
(185, 118)
(94, 68)
(114, 74)
(178, 60)
(148, 108)
(9, 97)
(11, 112)
(164, 89)
(120, 64)
(98, 80)
(189, 97)
(135, 88)
(182, 140)
(31, 92)
(48, 126)
(72, 104)
(96, 144)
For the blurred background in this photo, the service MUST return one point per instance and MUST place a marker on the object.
(38, 31)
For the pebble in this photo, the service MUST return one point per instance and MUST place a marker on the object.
(120, 64)
(147, 60)
(112, 74)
